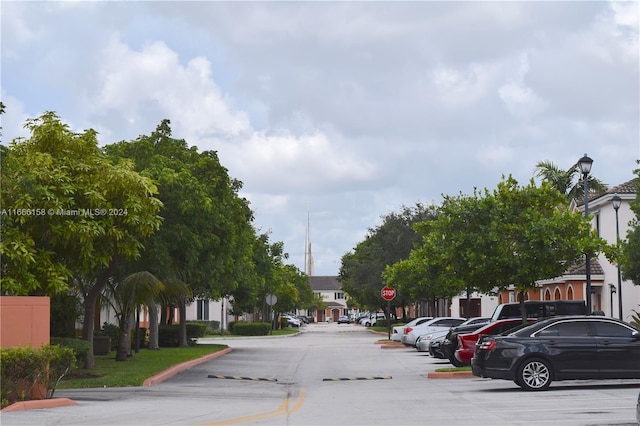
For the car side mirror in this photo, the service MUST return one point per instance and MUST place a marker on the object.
(635, 335)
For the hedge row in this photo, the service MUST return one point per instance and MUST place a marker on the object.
(251, 328)
(28, 373)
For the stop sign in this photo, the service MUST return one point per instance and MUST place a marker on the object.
(388, 293)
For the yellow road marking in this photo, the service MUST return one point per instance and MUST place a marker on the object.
(282, 410)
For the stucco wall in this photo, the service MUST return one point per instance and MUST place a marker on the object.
(24, 321)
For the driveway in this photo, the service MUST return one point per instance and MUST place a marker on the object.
(333, 374)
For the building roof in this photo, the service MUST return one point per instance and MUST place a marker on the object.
(580, 268)
(324, 283)
(629, 187)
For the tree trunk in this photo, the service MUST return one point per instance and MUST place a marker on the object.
(183, 324)
(153, 327)
(124, 342)
(90, 299)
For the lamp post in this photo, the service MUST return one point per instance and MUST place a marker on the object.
(585, 167)
(612, 291)
(617, 201)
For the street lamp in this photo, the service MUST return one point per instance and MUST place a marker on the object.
(612, 291)
(617, 201)
(585, 167)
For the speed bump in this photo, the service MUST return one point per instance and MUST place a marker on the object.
(340, 379)
(255, 379)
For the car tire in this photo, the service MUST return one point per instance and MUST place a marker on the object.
(534, 374)
(456, 363)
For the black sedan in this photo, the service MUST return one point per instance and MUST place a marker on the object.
(561, 348)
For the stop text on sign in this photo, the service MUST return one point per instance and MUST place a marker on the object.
(388, 293)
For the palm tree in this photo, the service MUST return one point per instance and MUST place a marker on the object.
(177, 293)
(125, 296)
(568, 182)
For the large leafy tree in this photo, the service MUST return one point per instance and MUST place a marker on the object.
(515, 235)
(71, 214)
(630, 259)
(361, 272)
(206, 237)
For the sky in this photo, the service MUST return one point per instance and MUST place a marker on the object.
(335, 114)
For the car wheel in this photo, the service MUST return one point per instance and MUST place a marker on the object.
(534, 375)
(456, 363)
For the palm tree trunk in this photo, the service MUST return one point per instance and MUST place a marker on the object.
(153, 326)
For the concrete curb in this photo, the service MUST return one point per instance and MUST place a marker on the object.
(38, 403)
(450, 375)
(170, 372)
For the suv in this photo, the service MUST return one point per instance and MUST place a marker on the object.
(540, 309)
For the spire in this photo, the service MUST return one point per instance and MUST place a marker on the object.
(308, 258)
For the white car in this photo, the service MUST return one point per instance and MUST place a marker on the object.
(398, 330)
(424, 341)
(292, 321)
(372, 319)
(411, 334)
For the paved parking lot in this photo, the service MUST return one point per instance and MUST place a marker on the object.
(335, 374)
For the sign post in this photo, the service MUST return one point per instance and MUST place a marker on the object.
(388, 294)
(271, 300)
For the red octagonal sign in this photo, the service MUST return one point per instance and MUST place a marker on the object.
(388, 293)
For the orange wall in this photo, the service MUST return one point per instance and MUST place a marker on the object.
(24, 321)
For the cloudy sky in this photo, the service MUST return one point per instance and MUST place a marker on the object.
(343, 111)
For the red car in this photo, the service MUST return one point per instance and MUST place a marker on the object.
(467, 342)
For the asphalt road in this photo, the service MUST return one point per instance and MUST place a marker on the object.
(334, 374)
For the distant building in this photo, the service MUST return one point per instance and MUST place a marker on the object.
(330, 290)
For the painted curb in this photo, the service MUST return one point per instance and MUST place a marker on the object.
(170, 372)
(450, 375)
(39, 403)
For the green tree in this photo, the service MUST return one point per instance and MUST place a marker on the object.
(568, 182)
(87, 213)
(206, 238)
(630, 258)
(361, 270)
(125, 296)
(512, 236)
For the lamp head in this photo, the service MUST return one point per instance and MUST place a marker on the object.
(585, 164)
(616, 201)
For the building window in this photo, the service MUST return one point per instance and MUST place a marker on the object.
(597, 220)
(203, 310)
(338, 295)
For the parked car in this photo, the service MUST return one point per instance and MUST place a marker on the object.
(561, 348)
(398, 330)
(432, 342)
(450, 342)
(467, 342)
(540, 309)
(344, 319)
(372, 319)
(292, 321)
(423, 343)
(411, 334)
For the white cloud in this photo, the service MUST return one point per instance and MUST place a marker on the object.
(133, 79)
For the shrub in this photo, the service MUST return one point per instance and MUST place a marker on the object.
(169, 335)
(27, 372)
(113, 331)
(251, 328)
(79, 347)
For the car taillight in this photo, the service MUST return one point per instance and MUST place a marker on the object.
(461, 344)
(486, 345)
(408, 330)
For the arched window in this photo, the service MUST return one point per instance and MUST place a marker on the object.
(570, 293)
(556, 294)
(547, 294)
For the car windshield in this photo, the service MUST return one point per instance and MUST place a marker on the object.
(518, 329)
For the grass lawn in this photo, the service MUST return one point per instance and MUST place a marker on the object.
(142, 365)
